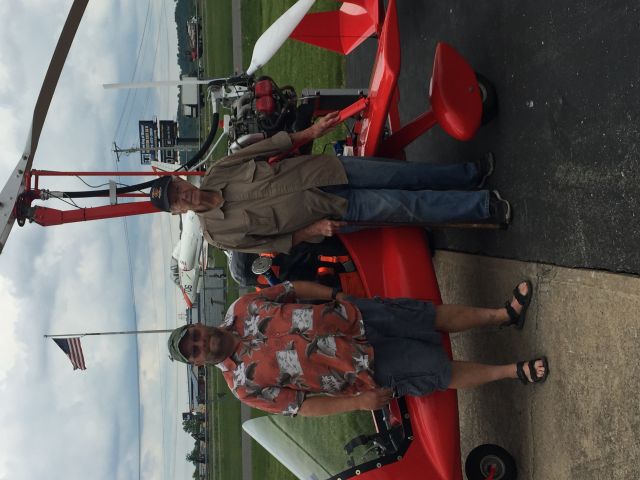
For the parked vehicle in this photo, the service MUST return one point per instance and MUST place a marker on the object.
(194, 36)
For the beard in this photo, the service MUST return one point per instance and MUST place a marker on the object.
(223, 350)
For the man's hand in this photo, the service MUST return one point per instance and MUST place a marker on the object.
(375, 399)
(315, 406)
(324, 228)
(325, 124)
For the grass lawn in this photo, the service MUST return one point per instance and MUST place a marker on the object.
(224, 429)
(218, 55)
(297, 64)
(216, 37)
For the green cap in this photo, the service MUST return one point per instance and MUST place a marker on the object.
(174, 342)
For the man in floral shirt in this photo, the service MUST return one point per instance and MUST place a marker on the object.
(283, 356)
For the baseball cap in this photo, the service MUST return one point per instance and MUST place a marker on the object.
(159, 193)
(174, 344)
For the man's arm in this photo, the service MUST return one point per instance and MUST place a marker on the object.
(325, 405)
(313, 291)
(322, 126)
(251, 243)
(278, 143)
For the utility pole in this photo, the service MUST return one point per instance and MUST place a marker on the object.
(182, 147)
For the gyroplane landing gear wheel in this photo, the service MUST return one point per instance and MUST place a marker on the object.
(489, 98)
(490, 462)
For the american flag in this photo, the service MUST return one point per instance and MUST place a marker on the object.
(73, 349)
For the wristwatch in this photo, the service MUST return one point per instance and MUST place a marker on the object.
(334, 292)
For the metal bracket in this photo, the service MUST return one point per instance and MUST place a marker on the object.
(113, 194)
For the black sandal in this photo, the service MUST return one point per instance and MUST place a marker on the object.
(524, 300)
(532, 371)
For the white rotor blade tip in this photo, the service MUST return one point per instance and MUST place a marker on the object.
(272, 39)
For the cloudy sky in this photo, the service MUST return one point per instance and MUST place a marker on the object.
(120, 417)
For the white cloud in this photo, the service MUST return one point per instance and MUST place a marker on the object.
(11, 351)
(75, 278)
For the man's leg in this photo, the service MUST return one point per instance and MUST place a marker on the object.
(381, 173)
(469, 374)
(405, 207)
(457, 318)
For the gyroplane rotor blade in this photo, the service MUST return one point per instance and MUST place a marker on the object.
(15, 185)
(273, 37)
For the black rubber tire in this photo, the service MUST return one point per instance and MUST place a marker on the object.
(476, 467)
(489, 98)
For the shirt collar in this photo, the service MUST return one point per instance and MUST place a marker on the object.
(215, 213)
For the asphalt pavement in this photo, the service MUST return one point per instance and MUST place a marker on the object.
(566, 137)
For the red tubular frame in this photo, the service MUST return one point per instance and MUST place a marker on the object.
(47, 217)
(382, 87)
(407, 134)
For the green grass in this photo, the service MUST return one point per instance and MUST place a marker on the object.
(296, 64)
(218, 54)
(216, 31)
(224, 429)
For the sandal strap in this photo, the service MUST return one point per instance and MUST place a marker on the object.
(521, 375)
(522, 299)
(532, 371)
(513, 315)
(535, 378)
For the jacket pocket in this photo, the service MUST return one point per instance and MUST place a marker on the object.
(261, 221)
(232, 173)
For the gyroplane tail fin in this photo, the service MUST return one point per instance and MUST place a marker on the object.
(341, 30)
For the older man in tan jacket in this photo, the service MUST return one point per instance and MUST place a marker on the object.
(246, 204)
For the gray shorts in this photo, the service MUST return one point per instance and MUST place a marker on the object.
(408, 352)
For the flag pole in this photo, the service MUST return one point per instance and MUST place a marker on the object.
(130, 332)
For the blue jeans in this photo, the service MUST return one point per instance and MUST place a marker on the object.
(392, 191)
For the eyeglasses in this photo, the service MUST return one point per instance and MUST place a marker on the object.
(194, 335)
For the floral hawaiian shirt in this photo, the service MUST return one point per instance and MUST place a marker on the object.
(290, 349)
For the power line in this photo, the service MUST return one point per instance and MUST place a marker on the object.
(135, 69)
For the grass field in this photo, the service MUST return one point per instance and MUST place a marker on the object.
(218, 55)
(295, 63)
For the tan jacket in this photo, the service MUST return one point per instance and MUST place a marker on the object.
(264, 205)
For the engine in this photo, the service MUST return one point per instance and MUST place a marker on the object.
(264, 109)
